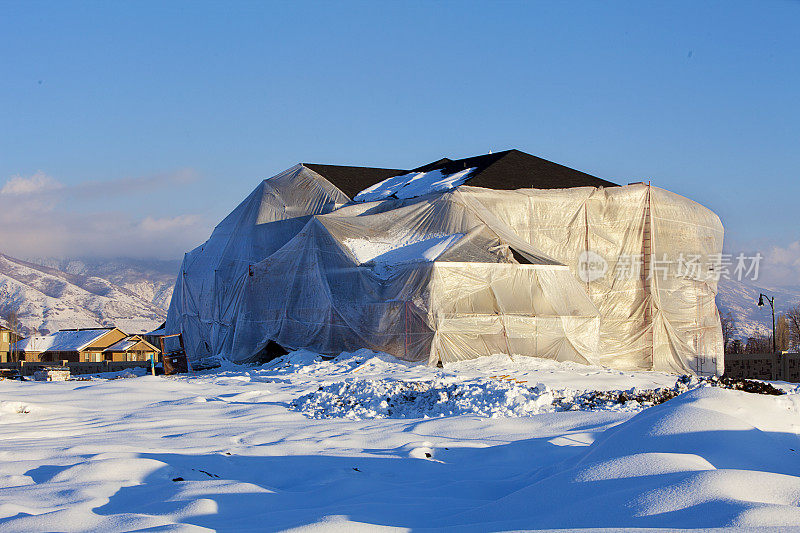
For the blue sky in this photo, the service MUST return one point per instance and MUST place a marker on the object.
(168, 114)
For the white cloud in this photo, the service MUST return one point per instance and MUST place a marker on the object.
(782, 264)
(40, 217)
(37, 183)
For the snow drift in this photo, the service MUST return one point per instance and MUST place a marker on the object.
(222, 450)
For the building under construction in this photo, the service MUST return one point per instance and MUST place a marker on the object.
(504, 253)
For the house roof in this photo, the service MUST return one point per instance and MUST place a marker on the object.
(352, 180)
(157, 332)
(508, 170)
(433, 165)
(160, 330)
(128, 343)
(514, 169)
(69, 340)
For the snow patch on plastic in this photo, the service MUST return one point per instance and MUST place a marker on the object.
(413, 184)
(401, 250)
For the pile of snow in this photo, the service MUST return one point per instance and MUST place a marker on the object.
(493, 397)
(17, 408)
(305, 364)
(413, 184)
(360, 399)
(530, 371)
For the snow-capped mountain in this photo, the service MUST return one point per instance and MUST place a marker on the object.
(739, 298)
(150, 279)
(47, 299)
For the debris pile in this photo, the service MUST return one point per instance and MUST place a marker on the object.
(746, 385)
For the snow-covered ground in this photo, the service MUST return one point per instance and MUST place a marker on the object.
(305, 443)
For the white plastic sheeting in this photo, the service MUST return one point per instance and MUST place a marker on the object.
(457, 274)
(470, 297)
(656, 313)
(206, 295)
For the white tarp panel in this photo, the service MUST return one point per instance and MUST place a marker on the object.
(654, 314)
(457, 274)
(206, 294)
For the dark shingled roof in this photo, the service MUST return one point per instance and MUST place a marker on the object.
(514, 169)
(353, 180)
(507, 170)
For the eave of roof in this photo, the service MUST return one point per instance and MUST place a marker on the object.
(514, 169)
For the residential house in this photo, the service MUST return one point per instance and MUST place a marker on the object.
(7, 340)
(154, 337)
(133, 348)
(73, 345)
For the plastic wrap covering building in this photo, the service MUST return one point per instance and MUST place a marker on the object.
(505, 253)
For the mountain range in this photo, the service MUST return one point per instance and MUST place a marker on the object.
(52, 294)
(134, 294)
(150, 279)
(740, 299)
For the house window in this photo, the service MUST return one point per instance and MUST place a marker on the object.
(4, 336)
(130, 356)
(95, 357)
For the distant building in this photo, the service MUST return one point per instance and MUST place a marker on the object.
(154, 337)
(73, 345)
(133, 348)
(7, 339)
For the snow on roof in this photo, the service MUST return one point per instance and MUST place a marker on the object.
(414, 184)
(61, 341)
(124, 344)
